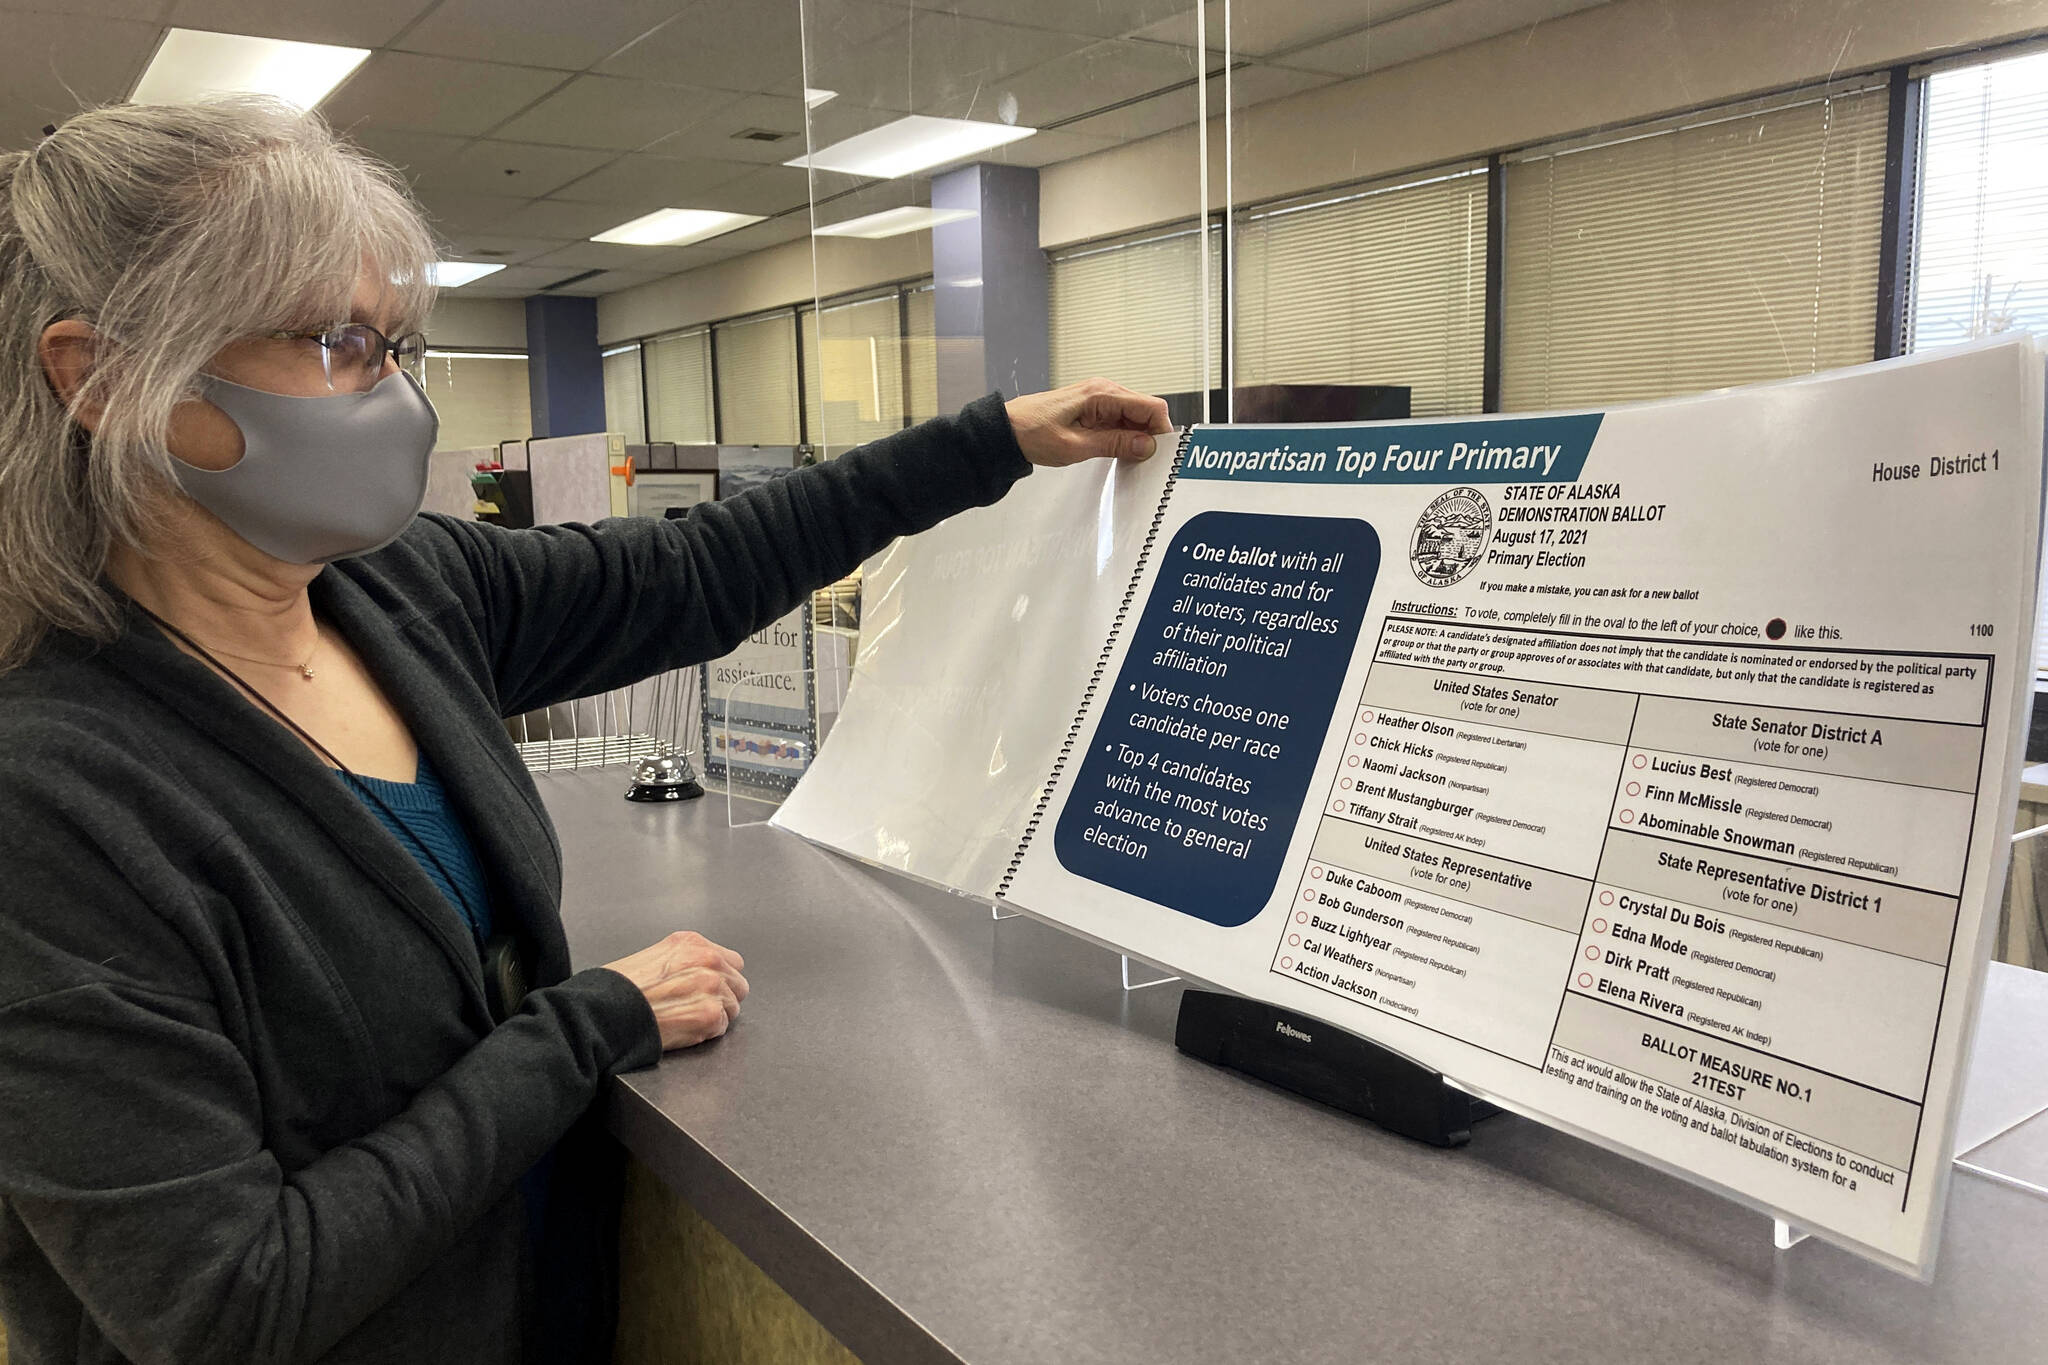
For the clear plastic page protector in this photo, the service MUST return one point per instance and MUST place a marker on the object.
(1650, 771)
(977, 642)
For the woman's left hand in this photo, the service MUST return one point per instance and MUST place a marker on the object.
(1095, 419)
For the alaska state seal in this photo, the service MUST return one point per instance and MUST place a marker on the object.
(1450, 537)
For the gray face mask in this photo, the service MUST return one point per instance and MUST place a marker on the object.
(320, 479)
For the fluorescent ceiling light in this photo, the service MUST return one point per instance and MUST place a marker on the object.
(433, 354)
(894, 222)
(814, 98)
(676, 227)
(455, 274)
(912, 143)
(191, 65)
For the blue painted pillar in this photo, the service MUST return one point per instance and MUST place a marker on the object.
(989, 279)
(564, 368)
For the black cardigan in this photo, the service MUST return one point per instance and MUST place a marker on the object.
(252, 1107)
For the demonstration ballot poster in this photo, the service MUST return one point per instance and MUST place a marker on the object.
(1649, 771)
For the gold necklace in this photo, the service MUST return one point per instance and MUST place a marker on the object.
(305, 669)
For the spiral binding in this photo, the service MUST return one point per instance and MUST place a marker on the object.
(1116, 628)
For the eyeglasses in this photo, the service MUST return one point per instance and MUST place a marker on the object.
(353, 354)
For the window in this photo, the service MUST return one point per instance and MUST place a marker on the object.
(678, 373)
(1132, 311)
(1980, 250)
(853, 371)
(1380, 285)
(756, 369)
(481, 397)
(1726, 247)
(921, 351)
(624, 409)
(1980, 257)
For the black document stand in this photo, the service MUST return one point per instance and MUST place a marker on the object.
(1323, 1062)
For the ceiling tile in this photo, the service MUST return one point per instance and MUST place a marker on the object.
(643, 183)
(1264, 30)
(774, 232)
(1095, 77)
(749, 48)
(459, 213)
(484, 246)
(716, 136)
(359, 23)
(553, 33)
(609, 112)
(513, 280)
(516, 168)
(1250, 85)
(1257, 84)
(609, 282)
(842, 119)
(1427, 30)
(412, 153)
(142, 11)
(21, 123)
(940, 64)
(1094, 18)
(435, 95)
(53, 65)
(602, 256)
(772, 189)
(557, 218)
(676, 259)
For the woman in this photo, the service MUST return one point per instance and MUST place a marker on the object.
(261, 1097)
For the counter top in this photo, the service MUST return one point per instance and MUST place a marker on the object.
(954, 1140)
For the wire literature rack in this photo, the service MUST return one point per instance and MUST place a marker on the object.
(620, 726)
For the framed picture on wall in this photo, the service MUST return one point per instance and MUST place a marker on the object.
(671, 493)
(744, 467)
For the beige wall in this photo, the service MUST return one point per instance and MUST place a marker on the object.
(485, 324)
(1619, 63)
(774, 278)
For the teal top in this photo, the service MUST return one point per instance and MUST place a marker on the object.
(420, 817)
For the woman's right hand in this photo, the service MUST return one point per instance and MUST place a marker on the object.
(693, 986)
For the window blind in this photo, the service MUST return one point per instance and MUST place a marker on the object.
(1980, 259)
(678, 374)
(921, 349)
(756, 376)
(1379, 285)
(1723, 248)
(1132, 311)
(1980, 251)
(480, 397)
(624, 410)
(853, 371)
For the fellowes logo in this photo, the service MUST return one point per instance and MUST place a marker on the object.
(1287, 1030)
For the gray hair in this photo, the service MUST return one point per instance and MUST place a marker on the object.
(173, 230)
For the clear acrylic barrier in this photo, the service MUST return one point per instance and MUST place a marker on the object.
(1716, 195)
(976, 645)
(756, 797)
(1326, 211)
(1146, 975)
(934, 133)
(757, 767)
(1017, 91)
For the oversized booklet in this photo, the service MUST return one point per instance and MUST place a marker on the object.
(1649, 771)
